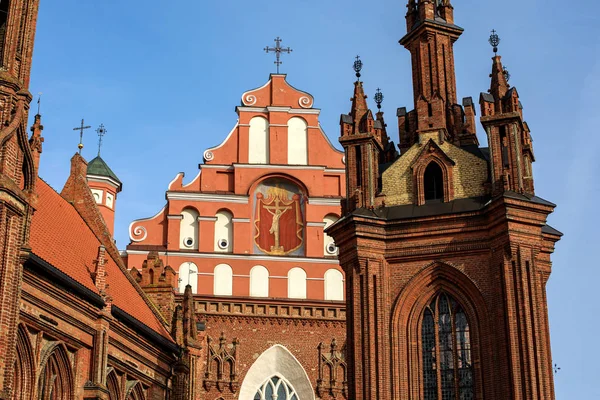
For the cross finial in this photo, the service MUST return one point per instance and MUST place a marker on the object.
(101, 131)
(358, 67)
(278, 50)
(81, 129)
(39, 102)
(378, 98)
(494, 40)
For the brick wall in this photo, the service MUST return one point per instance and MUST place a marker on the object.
(470, 173)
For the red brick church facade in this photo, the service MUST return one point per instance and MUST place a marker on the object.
(446, 250)
(286, 269)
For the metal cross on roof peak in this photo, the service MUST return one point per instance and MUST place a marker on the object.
(278, 50)
(81, 129)
(101, 131)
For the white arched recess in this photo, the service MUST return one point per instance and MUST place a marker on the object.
(188, 269)
(188, 230)
(224, 232)
(297, 283)
(277, 361)
(258, 141)
(327, 240)
(334, 285)
(223, 280)
(259, 281)
(297, 141)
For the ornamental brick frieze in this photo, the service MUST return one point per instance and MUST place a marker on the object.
(285, 312)
(276, 321)
(221, 365)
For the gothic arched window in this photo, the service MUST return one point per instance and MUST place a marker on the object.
(56, 378)
(276, 388)
(433, 182)
(446, 347)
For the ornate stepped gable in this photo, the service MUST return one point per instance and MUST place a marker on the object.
(257, 208)
(247, 244)
(446, 249)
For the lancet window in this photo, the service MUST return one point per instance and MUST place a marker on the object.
(446, 351)
(433, 182)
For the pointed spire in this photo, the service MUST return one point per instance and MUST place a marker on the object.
(35, 143)
(359, 99)
(499, 84)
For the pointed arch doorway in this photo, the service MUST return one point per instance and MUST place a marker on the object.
(276, 374)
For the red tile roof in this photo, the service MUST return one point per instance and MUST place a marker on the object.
(61, 237)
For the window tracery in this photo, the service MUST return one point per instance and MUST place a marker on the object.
(276, 388)
(446, 351)
(56, 377)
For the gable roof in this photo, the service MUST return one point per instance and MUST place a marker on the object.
(61, 237)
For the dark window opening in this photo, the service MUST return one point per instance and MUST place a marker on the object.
(504, 144)
(446, 351)
(358, 166)
(433, 182)
(4, 5)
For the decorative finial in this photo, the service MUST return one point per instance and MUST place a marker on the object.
(278, 50)
(378, 98)
(358, 67)
(39, 102)
(81, 129)
(101, 131)
(494, 40)
(506, 74)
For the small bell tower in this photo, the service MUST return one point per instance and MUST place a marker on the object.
(104, 184)
(430, 38)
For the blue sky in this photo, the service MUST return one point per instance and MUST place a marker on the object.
(164, 78)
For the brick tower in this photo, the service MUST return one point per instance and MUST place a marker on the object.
(18, 169)
(445, 249)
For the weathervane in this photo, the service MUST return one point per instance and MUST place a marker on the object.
(358, 67)
(39, 102)
(278, 50)
(378, 98)
(81, 129)
(101, 131)
(494, 40)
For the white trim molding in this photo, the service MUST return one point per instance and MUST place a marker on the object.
(229, 256)
(325, 201)
(219, 198)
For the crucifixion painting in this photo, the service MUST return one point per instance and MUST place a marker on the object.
(279, 226)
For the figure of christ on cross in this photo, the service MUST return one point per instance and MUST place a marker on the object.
(276, 211)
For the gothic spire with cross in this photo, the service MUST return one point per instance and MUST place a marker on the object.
(81, 129)
(278, 50)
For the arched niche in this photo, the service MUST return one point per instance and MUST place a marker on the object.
(278, 217)
(223, 280)
(334, 285)
(276, 361)
(188, 273)
(259, 281)
(188, 230)
(297, 141)
(24, 375)
(329, 247)
(297, 283)
(224, 232)
(258, 141)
